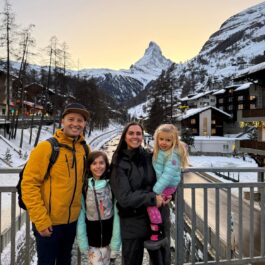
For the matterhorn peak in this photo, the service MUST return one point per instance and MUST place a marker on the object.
(153, 50)
(153, 60)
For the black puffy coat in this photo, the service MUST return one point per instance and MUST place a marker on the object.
(132, 180)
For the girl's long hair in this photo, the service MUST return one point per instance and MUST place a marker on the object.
(179, 146)
(122, 144)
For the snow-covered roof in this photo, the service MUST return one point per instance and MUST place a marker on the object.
(244, 86)
(199, 95)
(32, 104)
(251, 70)
(221, 91)
(192, 112)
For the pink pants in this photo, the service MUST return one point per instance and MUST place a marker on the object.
(153, 212)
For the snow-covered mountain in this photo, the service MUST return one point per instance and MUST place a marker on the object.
(125, 84)
(239, 43)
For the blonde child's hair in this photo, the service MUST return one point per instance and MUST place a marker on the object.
(179, 146)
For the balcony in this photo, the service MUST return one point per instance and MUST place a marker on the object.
(250, 146)
(253, 115)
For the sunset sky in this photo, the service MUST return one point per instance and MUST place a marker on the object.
(115, 33)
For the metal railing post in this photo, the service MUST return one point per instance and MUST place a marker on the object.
(179, 242)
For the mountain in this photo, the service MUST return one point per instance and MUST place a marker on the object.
(125, 84)
(239, 43)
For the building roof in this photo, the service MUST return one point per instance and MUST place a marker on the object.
(253, 72)
(191, 112)
(199, 95)
(244, 86)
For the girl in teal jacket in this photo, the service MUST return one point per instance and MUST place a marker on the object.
(98, 229)
(170, 154)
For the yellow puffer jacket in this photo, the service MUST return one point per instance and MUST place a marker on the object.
(57, 199)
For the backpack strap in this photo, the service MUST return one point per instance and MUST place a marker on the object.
(54, 155)
(85, 148)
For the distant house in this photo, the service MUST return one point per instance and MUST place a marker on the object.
(233, 98)
(205, 121)
(254, 115)
(199, 100)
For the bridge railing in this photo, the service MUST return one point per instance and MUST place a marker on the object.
(220, 223)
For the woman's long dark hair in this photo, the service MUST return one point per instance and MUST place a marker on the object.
(122, 144)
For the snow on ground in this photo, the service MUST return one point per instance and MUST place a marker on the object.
(227, 162)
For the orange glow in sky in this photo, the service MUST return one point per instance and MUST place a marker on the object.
(115, 33)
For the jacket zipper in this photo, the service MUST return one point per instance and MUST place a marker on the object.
(99, 217)
(75, 168)
(67, 163)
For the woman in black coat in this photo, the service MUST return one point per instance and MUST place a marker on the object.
(132, 179)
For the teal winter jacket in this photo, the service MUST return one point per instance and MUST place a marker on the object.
(167, 170)
(82, 233)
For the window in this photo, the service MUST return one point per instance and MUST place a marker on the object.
(213, 121)
(252, 106)
(252, 97)
(240, 98)
(193, 121)
(225, 146)
(240, 106)
(213, 131)
(194, 130)
(221, 100)
(230, 99)
(230, 107)
(212, 100)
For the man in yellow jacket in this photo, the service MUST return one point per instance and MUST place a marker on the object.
(53, 203)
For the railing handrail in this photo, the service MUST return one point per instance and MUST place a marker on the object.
(180, 208)
(186, 170)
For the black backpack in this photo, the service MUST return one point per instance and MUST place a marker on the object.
(54, 155)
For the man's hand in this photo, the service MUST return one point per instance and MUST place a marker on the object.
(46, 232)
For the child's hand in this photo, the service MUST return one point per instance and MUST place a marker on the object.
(159, 201)
(167, 199)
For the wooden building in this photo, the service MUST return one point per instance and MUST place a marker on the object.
(254, 116)
(207, 121)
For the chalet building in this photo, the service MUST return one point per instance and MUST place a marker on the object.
(199, 100)
(207, 121)
(32, 96)
(254, 116)
(233, 98)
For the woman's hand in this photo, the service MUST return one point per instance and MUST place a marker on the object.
(159, 201)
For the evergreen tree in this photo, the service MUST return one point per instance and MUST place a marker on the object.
(154, 119)
(162, 100)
